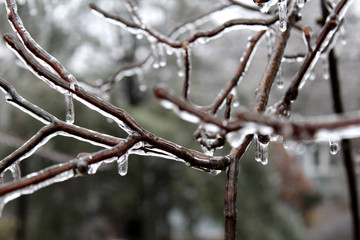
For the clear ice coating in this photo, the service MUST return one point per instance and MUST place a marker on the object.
(261, 151)
(36, 186)
(123, 164)
(334, 146)
(282, 14)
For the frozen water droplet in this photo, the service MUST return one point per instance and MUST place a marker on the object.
(15, 170)
(207, 151)
(214, 172)
(1, 178)
(334, 146)
(141, 80)
(162, 55)
(180, 62)
(300, 3)
(123, 164)
(139, 36)
(325, 66)
(261, 151)
(69, 104)
(279, 78)
(2, 205)
(94, 167)
(282, 14)
(235, 101)
(343, 33)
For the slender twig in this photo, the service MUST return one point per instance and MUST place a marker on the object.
(323, 41)
(244, 65)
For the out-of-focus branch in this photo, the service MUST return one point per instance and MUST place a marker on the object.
(346, 147)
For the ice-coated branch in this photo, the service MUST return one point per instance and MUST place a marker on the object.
(241, 71)
(324, 39)
(134, 28)
(31, 44)
(61, 172)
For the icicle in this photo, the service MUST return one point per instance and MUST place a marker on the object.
(334, 146)
(140, 79)
(69, 104)
(282, 14)
(279, 78)
(214, 172)
(189, 117)
(180, 62)
(235, 101)
(261, 151)
(94, 167)
(15, 170)
(207, 151)
(270, 37)
(343, 34)
(325, 66)
(265, 7)
(32, 7)
(123, 164)
(300, 3)
(162, 55)
(1, 178)
(155, 53)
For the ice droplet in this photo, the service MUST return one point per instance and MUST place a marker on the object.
(300, 3)
(325, 66)
(279, 78)
(282, 14)
(214, 172)
(15, 170)
(265, 7)
(334, 146)
(123, 164)
(180, 61)
(343, 33)
(36, 186)
(261, 151)
(94, 167)
(162, 55)
(1, 178)
(69, 105)
(155, 53)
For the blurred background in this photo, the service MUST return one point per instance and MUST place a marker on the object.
(300, 194)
